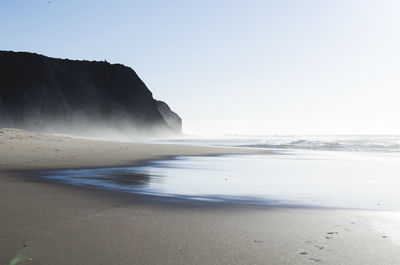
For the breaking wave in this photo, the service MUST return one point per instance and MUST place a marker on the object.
(364, 143)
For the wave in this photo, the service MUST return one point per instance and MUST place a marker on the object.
(363, 143)
(337, 143)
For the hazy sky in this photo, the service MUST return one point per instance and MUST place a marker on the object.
(274, 67)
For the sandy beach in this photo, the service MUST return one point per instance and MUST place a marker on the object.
(44, 222)
(29, 150)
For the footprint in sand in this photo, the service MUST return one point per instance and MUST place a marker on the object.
(332, 233)
(316, 260)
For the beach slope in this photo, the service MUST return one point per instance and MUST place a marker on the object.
(42, 222)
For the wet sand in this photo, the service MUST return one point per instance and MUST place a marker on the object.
(51, 223)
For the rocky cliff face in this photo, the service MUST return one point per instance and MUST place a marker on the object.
(57, 95)
(171, 118)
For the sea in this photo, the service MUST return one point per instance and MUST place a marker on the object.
(329, 171)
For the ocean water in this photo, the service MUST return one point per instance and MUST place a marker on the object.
(350, 143)
(355, 172)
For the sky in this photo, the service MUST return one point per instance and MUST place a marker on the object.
(235, 67)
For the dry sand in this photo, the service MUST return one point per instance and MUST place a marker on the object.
(21, 149)
(42, 222)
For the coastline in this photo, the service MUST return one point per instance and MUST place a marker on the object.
(24, 150)
(52, 223)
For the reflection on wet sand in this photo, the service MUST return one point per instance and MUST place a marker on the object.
(306, 178)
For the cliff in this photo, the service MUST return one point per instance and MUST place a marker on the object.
(170, 117)
(69, 96)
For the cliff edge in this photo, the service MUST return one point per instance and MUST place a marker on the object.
(79, 97)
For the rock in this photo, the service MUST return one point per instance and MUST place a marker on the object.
(60, 95)
(170, 117)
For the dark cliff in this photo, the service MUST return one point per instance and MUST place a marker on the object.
(60, 95)
(170, 117)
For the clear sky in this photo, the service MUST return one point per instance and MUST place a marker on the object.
(226, 66)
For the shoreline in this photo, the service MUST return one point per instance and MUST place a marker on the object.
(24, 150)
(54, 223)
(33, 176)
(48, 222)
